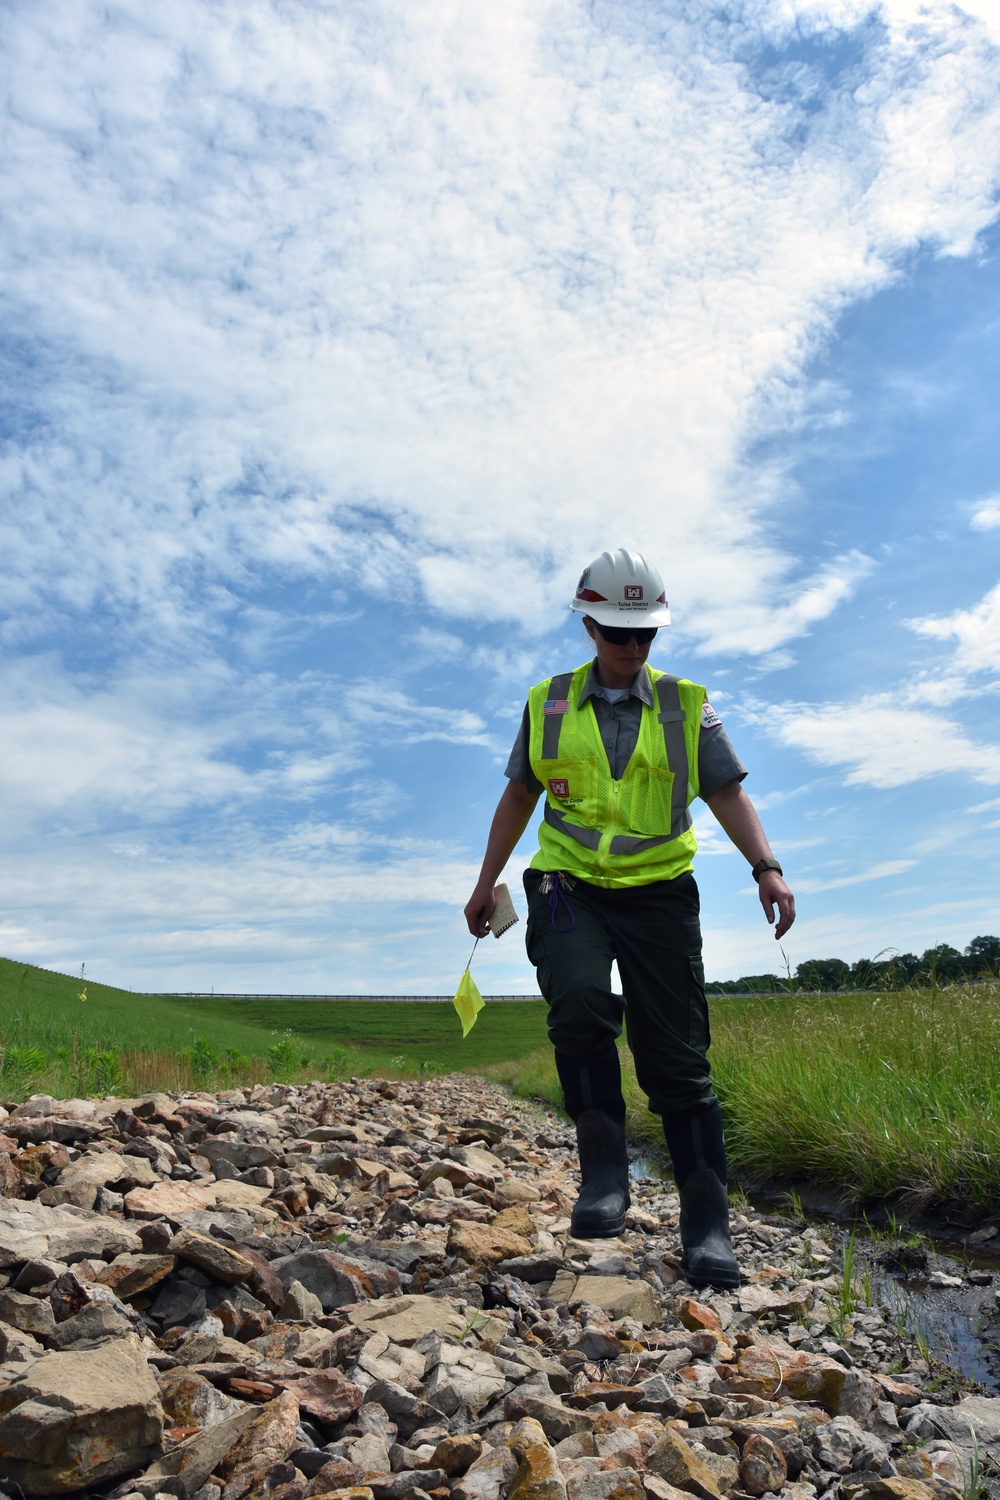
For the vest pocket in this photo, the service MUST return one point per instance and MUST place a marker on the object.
(649, 808)
(569, 786)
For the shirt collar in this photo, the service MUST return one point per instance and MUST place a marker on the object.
(642, 687)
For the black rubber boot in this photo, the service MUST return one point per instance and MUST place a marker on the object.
(592, 1089)
(698, 1152)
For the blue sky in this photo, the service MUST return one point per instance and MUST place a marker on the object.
(336, 339)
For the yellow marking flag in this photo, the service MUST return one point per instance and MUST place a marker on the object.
(468, 1002)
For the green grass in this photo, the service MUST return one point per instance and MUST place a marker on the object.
(893, 1096)
(112, 1041)
(874, 1097)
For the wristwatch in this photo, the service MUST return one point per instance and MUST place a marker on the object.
(765, 864)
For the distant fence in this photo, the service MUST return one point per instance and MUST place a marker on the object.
(392, 999)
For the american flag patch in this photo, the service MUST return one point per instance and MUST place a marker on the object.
(556, 706)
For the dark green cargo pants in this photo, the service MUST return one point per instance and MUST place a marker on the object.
(654, 932)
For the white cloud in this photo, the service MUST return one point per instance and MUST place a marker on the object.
(420, 299)
(977, 632)
(987, 517)
(882, 742)
(883, 871)
(152, 742)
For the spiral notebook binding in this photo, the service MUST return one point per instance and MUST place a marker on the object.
(504, 915)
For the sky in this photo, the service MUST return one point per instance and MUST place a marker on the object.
(336, 339)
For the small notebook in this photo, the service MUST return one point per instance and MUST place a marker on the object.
(504, 915)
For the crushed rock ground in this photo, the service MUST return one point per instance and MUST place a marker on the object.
(367, 1290)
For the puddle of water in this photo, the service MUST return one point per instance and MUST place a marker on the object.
(956, 1325)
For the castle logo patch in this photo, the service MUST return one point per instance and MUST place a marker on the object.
(559, 786)
(709, 718)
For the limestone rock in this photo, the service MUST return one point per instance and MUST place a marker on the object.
(764, 1369)
(484, 1244)
(619, 1297)
(184, 1470)
(336, 1280)
(406, 1319)
(78, 1419)
(538, 1476)
(488, 1477)
(131, 1275)
(327, 1395)
(217, 1260)
(167, 1200)
(762, 1466)
(672, 1459)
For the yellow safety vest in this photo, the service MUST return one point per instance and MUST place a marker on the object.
(616, 833)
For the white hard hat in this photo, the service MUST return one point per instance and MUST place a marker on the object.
(621, 588)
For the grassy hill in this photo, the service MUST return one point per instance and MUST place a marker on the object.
(69, 1036)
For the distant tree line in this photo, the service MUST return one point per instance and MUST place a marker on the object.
(940, 965)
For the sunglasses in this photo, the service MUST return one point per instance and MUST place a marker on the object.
(620, 635)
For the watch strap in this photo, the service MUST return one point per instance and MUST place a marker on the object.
(765, 864)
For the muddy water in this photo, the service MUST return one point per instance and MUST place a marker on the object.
(958, 1326)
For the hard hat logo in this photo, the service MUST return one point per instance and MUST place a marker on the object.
(618, 584)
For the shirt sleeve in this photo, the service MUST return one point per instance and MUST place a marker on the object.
(718, 762)
(519, 763)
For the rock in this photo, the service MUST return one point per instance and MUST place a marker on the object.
(269, 1436)
(336, 1474)
(93, 1323)
(167, 1200)
(217, 1260)
(131, 1275)
(658, 1489)
(408, 1412)
(488, 1477)
(26, 1314)
(764, 1368)
(406, 1319)
(327, 1395)
(759, 1299)
(79, 1182)
(608, 1484)
(619, 1297)
(300, 1305)
(406, 1482)
(698, 1315)
(183, 1471)
(762, 1466)
(672, 1459)
(555, 1420)
(455, 1455)
(484, 1244)
(899, 1488)
(900, 1392)
(75, 1420)
(189, 1400)
(336, 1279)
(18, 1347)
(538, 1475)
(463, 1378)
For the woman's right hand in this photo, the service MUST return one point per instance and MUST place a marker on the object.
(479, 909)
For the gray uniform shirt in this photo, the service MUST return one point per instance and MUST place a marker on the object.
(618, 722)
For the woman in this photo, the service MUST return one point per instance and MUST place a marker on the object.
(619, 751)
